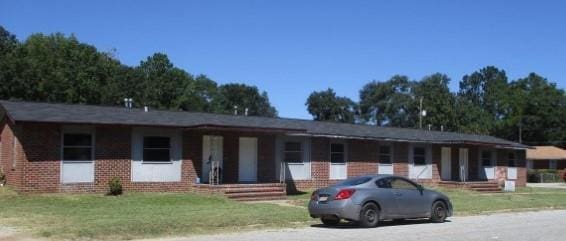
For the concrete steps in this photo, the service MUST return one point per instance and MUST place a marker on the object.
(483, 187)
(248, 192)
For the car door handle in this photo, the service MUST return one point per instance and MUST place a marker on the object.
(397, 194)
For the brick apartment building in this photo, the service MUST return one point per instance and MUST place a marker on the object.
(79, 148)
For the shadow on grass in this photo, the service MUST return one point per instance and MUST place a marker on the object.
(353, 225)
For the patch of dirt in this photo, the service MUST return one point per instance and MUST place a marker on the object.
(12, 234)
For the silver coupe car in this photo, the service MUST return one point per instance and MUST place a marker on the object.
(368, 199)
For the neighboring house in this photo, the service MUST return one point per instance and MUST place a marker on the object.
(60, 147)
(546, 157)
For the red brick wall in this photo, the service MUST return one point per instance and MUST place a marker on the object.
(401, 159)
(7, 157)
(41, 158)
(362, 158)
(38, 159)
(501, 169)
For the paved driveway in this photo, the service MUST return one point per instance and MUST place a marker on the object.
(544, 225)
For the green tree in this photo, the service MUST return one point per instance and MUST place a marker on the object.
(388, 103)
(483, 100)
(537, 110)
(326, 106)
(162, 82)
(242, 96)
(438, 101)
(56, 68)
(8, 42)
(198, 94)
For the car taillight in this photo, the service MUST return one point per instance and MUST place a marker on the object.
(344, 194)
(313, 196)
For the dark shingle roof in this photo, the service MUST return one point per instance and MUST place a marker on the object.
(89, 114)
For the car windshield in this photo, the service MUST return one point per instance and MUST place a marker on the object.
(354, 181)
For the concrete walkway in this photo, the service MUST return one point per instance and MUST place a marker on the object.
(547, 185)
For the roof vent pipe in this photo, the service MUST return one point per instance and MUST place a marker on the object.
(246, 112)
(442, 128)
(128, 103)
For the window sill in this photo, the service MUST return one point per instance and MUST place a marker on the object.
(156, 162)
(85, 161)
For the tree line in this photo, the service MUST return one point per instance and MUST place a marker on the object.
(531, 110)
(59, 68)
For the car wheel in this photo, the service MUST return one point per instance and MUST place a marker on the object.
(369, 216)
(439, 212)
(330, 221)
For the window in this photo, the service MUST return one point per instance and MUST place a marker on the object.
(511, 160)
(385, 155)
(383, 183)
(552, 164)
(354, 181)
(156, 149)
(397, 183)
(77, 147)
(293, 152)
(486, 159)
(337, 153)
(419, 156)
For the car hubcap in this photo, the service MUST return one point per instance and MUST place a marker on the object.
(371, 215)
(439, 212)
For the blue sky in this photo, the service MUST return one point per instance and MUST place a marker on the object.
(291, 48)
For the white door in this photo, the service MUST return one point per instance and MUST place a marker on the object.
(212, 150)
(463, 164)
(248, 160)
(446, 163)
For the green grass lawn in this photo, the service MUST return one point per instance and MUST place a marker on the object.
(137, 215)
(470, 203)
(143, 215)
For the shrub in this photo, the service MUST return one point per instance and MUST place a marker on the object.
(115, 185)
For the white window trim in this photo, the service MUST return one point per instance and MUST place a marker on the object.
(345, 163)
(77, 130)
(306, 156)
(391, 153)
(301, 151)
(144, 171)
(426, 154)
(345, 152)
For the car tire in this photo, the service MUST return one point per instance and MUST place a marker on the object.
(330, 221)
(369, 216)
(439, 212)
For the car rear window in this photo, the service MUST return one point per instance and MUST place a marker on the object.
(354, 181)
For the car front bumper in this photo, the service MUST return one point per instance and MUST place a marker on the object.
(344, 209)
